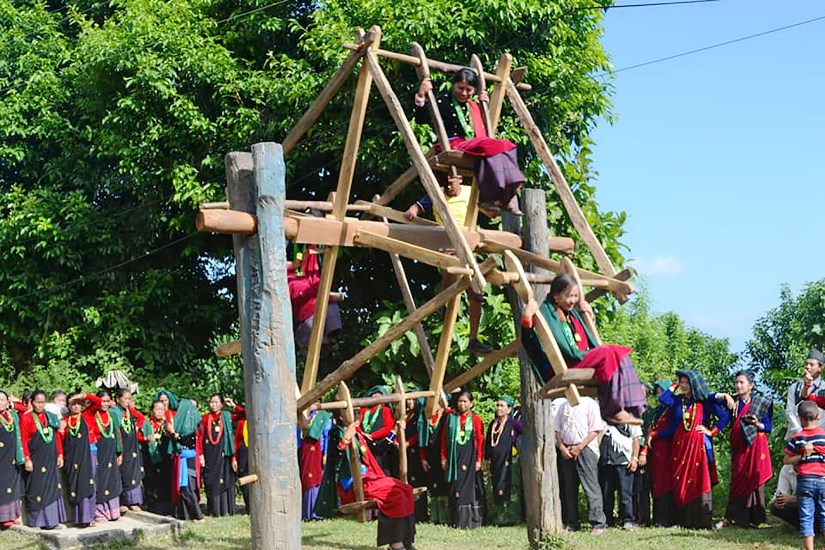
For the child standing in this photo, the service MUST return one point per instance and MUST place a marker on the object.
(806, 450)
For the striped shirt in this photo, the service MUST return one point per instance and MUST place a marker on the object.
(814, 465)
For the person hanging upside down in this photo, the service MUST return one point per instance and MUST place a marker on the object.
(621, 394)
(497, 173)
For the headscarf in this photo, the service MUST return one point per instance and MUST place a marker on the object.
(376, 389)
(698, 387)
(420, 416)
(663, 384)
(173, 400)
(509, 400)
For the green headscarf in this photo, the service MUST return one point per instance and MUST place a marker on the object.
(376, 389)
(173, 400)
(316, 425)
(185, 422)
(509, 400)
(663, 384)
(420, 416)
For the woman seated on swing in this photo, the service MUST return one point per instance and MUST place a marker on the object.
(496, 169)
(621, 394)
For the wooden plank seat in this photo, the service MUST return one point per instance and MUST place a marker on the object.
(581, 378)
(357, 507)
(446, 160)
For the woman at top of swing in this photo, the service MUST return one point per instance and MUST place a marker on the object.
(621, 394)
(496, 169)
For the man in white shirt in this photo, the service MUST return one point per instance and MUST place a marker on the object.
(784, 504)
(577, 435)
(811, 383)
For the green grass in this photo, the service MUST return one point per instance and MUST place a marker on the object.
(233, 534)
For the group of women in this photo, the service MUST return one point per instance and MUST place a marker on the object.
(96, 457)
(446, 453)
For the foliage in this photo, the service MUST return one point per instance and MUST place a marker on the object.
(783, 336)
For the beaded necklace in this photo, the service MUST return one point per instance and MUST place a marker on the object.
(126, 421)
(462, 435)
(463, 112)
(495, 437)
(74, 431)
(157, 428)
(103, 427)
(46, 433)
(7, 420)
(218, 429)
(688, 418)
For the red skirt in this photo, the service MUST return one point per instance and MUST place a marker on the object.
(750, 465)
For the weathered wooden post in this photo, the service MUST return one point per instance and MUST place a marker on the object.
(255, 184)
(538, 449)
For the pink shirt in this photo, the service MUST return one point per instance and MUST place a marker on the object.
(573, 424)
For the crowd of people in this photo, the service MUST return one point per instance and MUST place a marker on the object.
(85, 458)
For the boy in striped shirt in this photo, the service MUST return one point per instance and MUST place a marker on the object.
(806, 451)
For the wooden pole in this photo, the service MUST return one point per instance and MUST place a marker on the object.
(442, 355)
(401, 435)
(505, 64)
(538, 440)
(350, 366)
(574, 211)
(354, 461)
(339, 211)
(256, 184)
(425, 172)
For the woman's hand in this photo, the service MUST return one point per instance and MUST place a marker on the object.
(483, 97)
(59, 461)
(412, 212)
(530, 310)
(425, 87)
(29, 467)
(234, 464)
(349, 431)
(425, 465)
(202, 460)
(444, 464)
(229, 402)
(478, 465)
(642, 460)
(119, 460)
(703, 430)
(728, 399)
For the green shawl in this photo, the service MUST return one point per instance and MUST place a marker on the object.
(452, 445)
(228, 433)
(173, 400)
(19, 458)
(759, 407)
(698, 387)
(185, 422)
(151, 444)
(116, 416)
(337, 465)
(316, 425)
(572, 354)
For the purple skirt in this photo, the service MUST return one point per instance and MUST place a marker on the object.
(308, 503)
(10, 512)
(109, 510)
(498, 177)
(331, 327)
(624, 391)
(51, 516)
(132, 497)
(84, 511)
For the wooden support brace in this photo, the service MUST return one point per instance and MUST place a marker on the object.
(423, 71)
(354, 452)
(510, 350)
(622, 275)
(394, 215)
(475, 63)
(402, 182)
(246, 480)
(441, 66)
(574, 211)
(393, 246)
(401, 435)
(425, 172)
(350, 366)
(228, 349)
(367, 401)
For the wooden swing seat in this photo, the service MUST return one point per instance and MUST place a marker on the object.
(581, 378)
(355, 507)
(445, 161)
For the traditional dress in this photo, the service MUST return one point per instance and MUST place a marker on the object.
(218, 444)
(186, 468)
(505, 471)
(693, 466)
(437, 488)
(312, 451)
(417, 433)
(750, 466)
(242, 449)
(462, 446)
(11, 461)
(396, 517)
(157, 483)
(377, 422)
(659, 462)
(497, 173)
(44, 494)
(619, 386)
(79, 466)
(132, 470)
(104, 437)
(303, 279)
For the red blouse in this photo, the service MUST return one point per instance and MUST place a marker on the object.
(28, 430)
(478, 434)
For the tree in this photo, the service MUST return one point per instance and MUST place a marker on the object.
(783, 337)
(114, 120)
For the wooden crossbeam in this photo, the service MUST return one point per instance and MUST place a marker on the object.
(440, 66)
(394, 215)
(350, 366)
(571, 206)
(425, 173)
(402, 182)
(510, 350)
(394, 246)
(598, 292)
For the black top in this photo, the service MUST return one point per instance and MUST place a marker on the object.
(448, 115)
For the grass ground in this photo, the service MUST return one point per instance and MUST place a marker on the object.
(233, 534)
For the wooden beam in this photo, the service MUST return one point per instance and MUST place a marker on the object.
(510, 350)
(256, 184)
(574, 211)
(350, 366)
(475, 64)
(505, 63)
(354, 451)
(441, 66)
(339, 211)
(228, 349)
(368, 401)
(226, 221)
(562, 245)
(442, 355)
(394, 246)
(622, 275)
(401, 435)
(462, 249)
(326, 95)
(395, 215)
(572, 376)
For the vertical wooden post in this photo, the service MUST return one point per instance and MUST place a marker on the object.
(256, 184)
(538, 439)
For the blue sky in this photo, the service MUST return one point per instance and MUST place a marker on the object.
(717, 156)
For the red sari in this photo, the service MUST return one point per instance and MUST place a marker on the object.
(660, 459)
(750, 465)
(691, 476)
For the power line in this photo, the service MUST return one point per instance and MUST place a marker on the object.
(642, 5)
(717, 45)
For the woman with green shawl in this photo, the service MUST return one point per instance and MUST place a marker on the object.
(157, 483)
(376, 425)
(312, 456)
(11, 460)
(462, 451)
(501, 452)
(185, 448)
(218, 460)
(418, 435)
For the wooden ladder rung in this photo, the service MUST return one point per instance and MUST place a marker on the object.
(580, 377)
(552, 393)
